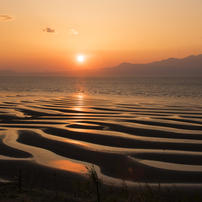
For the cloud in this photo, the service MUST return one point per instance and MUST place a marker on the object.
(5, 17)
(72, 31)
(49, 30)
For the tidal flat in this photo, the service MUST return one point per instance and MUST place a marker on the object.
(138, 141)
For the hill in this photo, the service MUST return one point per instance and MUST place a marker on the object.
(191, 65)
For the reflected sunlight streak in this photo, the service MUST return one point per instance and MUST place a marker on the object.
(75, 142)
(69, 166)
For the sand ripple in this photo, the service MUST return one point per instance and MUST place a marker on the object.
(145, 142)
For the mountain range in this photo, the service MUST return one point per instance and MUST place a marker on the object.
(191, 65)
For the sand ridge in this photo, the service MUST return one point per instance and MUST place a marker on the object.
(121, 139)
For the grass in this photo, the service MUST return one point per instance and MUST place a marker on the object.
(9, 193)
(94, 190)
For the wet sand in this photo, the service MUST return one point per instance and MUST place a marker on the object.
(143, 142)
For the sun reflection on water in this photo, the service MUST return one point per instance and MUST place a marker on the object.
(69, 166)
(79, 102)
(75, 142)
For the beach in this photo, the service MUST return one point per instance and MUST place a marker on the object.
(138, 141)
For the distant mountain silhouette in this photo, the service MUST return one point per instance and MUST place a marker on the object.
(8, 73)
(191, 65)
(44, 73)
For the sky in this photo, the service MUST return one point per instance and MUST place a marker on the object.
(49, 35)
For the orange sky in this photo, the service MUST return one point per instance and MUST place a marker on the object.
(49, 35)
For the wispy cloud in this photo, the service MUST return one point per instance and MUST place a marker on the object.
(49, 30)
(5, 17)
(72, 31)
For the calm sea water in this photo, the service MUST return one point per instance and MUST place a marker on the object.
(127, 86)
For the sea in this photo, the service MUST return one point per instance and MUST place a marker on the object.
(146, 87)
(149, 127)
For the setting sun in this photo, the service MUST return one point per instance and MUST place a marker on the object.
(95, 37)
(80, 58)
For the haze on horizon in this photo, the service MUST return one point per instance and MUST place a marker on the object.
(50, 35)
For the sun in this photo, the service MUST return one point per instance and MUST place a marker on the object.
(80, 58)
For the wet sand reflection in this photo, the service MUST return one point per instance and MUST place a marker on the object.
(131, 141)
(68, 165)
